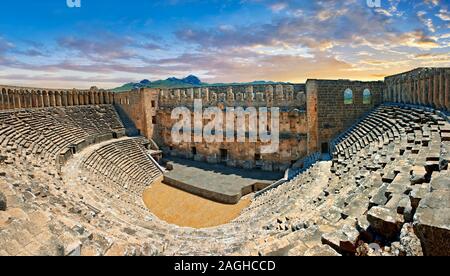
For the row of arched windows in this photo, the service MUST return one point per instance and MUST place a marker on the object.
(348, 96)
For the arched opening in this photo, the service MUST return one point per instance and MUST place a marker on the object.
(348, 96)
(367, 96)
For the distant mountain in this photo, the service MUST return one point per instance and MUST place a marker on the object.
(189, 81)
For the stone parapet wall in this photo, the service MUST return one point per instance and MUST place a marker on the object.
(13, 97)
(421, 86)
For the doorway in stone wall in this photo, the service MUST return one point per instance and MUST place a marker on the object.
(325, 148)
(223, 155)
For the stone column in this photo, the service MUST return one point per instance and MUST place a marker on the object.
(87, 97)
(230, 95)
(40, 99)
(12, 99)
(279, 92)
(2, 99)
(441, 89)
(447, 90)
(59, 98)
(430, 90)
(436, 90)
(269, 93)
(205, 94)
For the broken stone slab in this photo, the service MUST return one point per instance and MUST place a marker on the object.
(343, 240)
(404, 208)
(3, 202)
(440, 182)
(356, 207)
(432, 223)
(363, 226)
(379, 198)
(389, 177)
(401, 185)
(417, 193)
(73, 249)
(322, 250)
(418, 175)
(385, 222)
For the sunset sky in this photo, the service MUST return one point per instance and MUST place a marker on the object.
(110, 42)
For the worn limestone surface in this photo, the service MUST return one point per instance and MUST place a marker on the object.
(71, 181)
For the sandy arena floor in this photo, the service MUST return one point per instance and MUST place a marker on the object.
(184, 209)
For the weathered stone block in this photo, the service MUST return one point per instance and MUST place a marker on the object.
(440, 182)
(322, 250)
(344, 240)
(417, 193)
(418, 175)
(385, 222)
(432, 223)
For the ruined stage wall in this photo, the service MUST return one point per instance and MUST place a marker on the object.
(293, 129)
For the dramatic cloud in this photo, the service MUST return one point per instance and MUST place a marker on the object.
(231, 41)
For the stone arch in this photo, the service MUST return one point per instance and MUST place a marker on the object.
(367, 96)
(348, 96)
